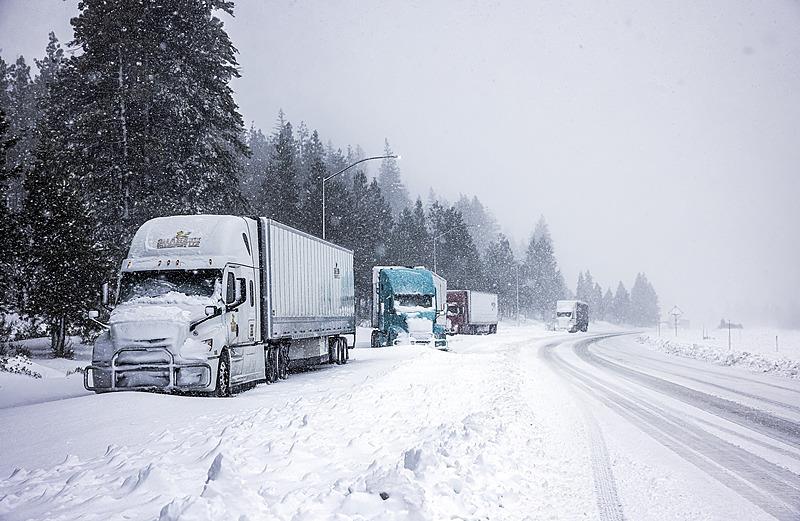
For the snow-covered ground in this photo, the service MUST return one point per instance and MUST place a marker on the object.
(59, 378)
(761, 350)
(499, 427)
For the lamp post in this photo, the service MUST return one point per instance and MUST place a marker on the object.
(343, 170)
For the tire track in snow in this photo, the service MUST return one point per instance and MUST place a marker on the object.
(768, 486)
(608, 503)
(768, 424)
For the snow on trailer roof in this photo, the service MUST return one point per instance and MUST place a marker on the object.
(567, 305)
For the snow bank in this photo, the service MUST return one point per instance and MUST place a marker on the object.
(753, 361)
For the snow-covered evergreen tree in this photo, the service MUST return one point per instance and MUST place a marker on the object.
(596, 311)
(278, 194)
(501, 271)
(644, 309)
(156, 126)
(23, 115)
(9, 231)
(391, 185)
(410, 243)
(457, 258)
(482, 224)
(254, 165)
(64, 264)
(620, 309)
(607, 306)
(544, 283)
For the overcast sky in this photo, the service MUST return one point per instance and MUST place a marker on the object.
(653, 137)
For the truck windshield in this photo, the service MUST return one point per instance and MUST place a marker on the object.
(135, 284)
(564, 313)
(422, 301)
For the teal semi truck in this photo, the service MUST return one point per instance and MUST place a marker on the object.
(409, 306)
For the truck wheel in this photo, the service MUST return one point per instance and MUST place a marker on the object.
(343, 347)
(271, 364)
(223, 389)
(283, 362)
(373, 339)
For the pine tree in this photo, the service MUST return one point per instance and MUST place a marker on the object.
(620, 309)
(156, 124)
(22, 115)
(391, 185)
(544, 283)
(596, 311)
(644, 310)
(501, 271)
(310, 212)
(580, 287)
(9, 245)
(278, 197)
(254, 165)
(607, 306)
(410, 243)
(368, 226)
(482, 225)
(64, 264)
(457, 259)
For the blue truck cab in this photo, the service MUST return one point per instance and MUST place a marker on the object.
(409, 305)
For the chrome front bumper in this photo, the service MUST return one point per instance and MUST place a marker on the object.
(157, 370)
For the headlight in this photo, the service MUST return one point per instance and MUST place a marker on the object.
(210, 343)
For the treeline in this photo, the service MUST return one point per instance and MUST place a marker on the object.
(138, 121)
(639, 307)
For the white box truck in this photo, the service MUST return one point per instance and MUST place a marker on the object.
(471, 312)
(215, 303)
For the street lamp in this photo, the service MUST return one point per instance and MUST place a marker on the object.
(343, 170)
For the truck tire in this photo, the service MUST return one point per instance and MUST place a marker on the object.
(223, 389)
(271, 364)
(373, 339)
(343, 350)
(283, 362)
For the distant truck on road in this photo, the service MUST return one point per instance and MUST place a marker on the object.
(572, 315)
(471, 312)
(408, 306)
(215, 303)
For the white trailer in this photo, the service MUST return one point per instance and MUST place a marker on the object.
(214, 303)
(471, 312)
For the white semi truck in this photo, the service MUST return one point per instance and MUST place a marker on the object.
(572, 315)
(215, 303)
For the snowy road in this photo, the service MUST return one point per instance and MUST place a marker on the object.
(526, 424)
(739, 429)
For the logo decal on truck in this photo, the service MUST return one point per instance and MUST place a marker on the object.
(336, 273)
(181, 240)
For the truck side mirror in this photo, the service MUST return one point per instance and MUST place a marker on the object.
(104, 292)
(230, 290)
(210, 311)
(93, 314)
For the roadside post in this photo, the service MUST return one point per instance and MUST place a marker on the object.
(676, 313)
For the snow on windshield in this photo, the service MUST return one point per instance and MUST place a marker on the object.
(170, 287)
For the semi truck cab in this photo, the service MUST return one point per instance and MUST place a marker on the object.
(406, 307)
(186, 290)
